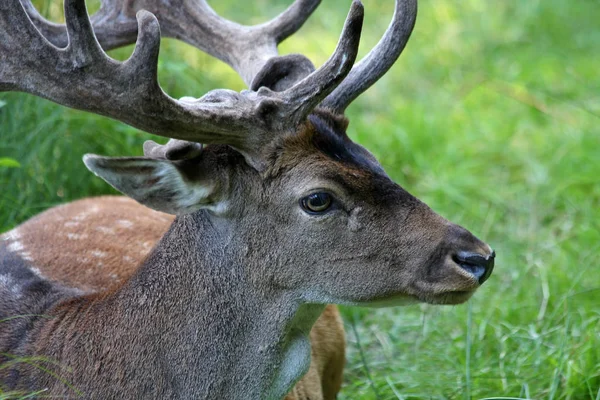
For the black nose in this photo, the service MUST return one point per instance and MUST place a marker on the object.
(478, 265)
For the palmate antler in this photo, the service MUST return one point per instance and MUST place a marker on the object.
(82, 76)
(245, 48)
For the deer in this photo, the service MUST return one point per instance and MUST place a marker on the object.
(277, 212)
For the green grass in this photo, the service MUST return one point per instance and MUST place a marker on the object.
(492, 117)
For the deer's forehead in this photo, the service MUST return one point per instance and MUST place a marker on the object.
(322, 148)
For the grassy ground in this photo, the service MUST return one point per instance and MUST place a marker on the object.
(492, 117)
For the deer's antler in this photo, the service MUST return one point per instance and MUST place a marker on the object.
(379, 60)
(248, 48)
(245, 48)
(82, 76)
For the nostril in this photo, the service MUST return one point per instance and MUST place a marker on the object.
(477, 270)
(478, 265)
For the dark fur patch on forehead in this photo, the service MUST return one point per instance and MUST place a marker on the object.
(337, 122)
(321, 138)
(333, 141)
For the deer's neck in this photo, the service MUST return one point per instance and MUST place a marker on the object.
(190, 322)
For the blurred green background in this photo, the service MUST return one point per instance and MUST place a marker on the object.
(491, 117)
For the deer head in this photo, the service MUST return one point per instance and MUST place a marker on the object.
(280, 206)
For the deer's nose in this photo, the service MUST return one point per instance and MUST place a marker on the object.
(477, 264)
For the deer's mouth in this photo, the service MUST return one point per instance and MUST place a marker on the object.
(448, 298)
(393, 301)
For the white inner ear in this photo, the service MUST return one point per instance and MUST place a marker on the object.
(157, 184)
(185, 196)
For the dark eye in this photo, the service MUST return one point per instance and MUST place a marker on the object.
(316, 202)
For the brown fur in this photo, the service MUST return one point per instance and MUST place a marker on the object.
(97, 243)
(93, 244)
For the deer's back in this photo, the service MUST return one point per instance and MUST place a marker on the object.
(92, 244)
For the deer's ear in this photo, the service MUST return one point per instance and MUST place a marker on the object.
(162, 185)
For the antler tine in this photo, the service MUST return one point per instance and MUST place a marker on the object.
(112, 28)
(308, 93)
(83, 46)
(54, 33)
(288, 22)
(379, 60)
(245, 48)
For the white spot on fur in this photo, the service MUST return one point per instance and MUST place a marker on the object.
(71, 224)
(125, 223)
(100, 264)
(145, 247)
(114, 277)
(98, 253)
(81, 216)
(105, 229)
(15, 247)
(5, 280)
(8, 283)
(77, 236)
(12, 235)
(37, 272)
(128, 259)
(25, 255)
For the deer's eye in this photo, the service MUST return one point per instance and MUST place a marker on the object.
(316, 202)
